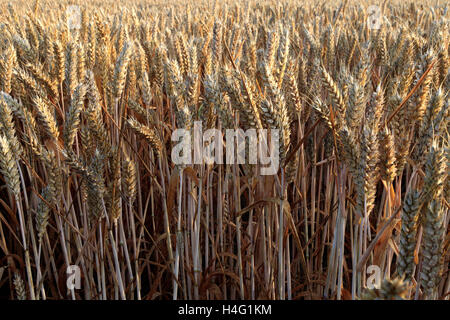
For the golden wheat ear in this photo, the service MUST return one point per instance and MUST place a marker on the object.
(8, 166)
(148, 133)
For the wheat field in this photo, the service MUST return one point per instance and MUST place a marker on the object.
(91, 94)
